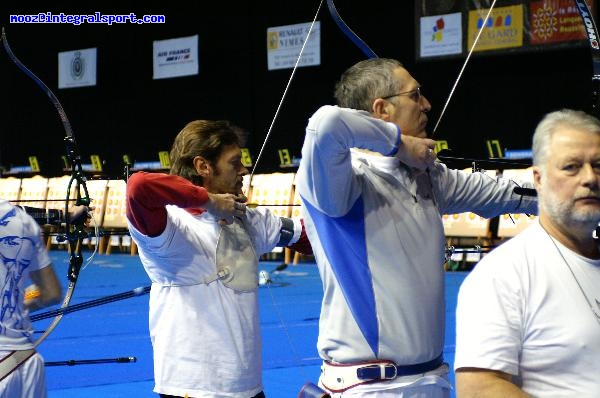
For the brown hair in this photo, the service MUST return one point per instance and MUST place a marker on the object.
(206, 138)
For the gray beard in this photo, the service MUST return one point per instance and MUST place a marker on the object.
(563, 212)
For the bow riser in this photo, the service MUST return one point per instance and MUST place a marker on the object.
(75, 233)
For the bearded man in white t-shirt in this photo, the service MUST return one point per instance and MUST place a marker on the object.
(528, 315)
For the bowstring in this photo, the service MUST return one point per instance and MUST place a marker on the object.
(285, 91)
(463, 67)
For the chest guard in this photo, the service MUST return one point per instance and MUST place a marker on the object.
(236, 259)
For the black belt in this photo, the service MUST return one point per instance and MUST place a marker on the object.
(391, 371)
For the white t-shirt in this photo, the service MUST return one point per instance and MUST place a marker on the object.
(522, 312)
(206, 337)
(21, 251)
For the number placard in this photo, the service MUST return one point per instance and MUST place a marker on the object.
(440, 145)
(246, 158)
(494, 145)
(35, 165)
(96, 162)
(284, 157)
(66, 163)
(165, 162)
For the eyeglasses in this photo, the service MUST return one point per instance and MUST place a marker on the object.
(415, 94)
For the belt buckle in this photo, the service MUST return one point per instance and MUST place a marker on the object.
(383, 371)
(385, 367)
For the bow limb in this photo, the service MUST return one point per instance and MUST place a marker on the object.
(349, 32)
(592, 36)
(74, 231)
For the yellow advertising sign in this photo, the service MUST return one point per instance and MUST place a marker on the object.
(503, 29)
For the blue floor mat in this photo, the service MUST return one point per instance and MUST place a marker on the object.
(289, 317)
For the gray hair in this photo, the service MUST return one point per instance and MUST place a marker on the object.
(551, 122)
(365, 81)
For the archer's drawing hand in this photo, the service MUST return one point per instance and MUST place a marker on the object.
(226, 206)
(417, 152)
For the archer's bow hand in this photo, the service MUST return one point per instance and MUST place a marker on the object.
(226, 206)
(417, 152)
(80, 214)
